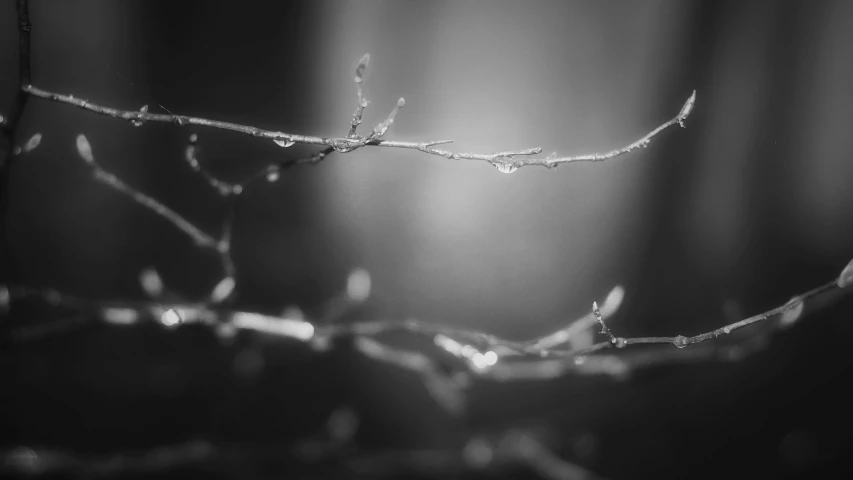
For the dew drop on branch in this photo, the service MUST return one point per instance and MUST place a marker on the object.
(505, 168)
(273, 175)
(32, 143)
(171, 318)
(85, 149)
(284, 142)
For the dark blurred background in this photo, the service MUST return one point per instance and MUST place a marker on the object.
(746, 207)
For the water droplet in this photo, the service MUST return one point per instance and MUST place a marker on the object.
(136, 122)
(144, 109)
(171, 318)
(620, 343)
(680, 341)
(727, 330)
(284, 142)
(401, 102)
(193, 138)
(505, 168)
(32, 143)
(273, 176)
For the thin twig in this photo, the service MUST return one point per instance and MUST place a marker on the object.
(510, 158)
(200, 238)
(191, 156)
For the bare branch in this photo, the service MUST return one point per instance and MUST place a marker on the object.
(507, 161)
(481, 354)
(201, 238)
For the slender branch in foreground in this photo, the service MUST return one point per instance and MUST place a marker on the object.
(505, 161)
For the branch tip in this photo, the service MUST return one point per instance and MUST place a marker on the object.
(846, 277)
(686, 109)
